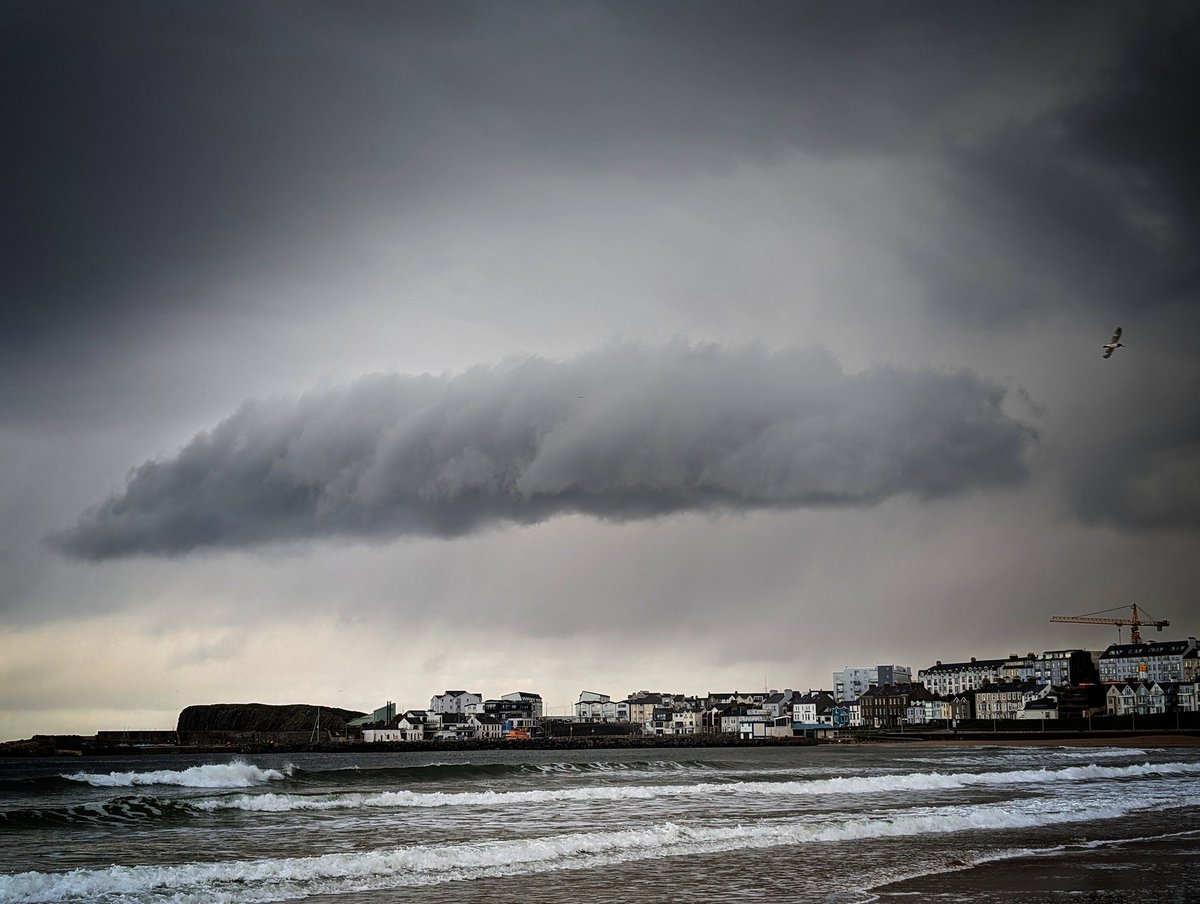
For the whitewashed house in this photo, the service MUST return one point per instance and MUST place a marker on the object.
(1039, 710)
(460, 702)
(376, 735)
(414, 725)
(485, 727)
(813, 708)
(1140, 698)
(760, 725)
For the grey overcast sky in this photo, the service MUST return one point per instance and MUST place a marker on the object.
(355, 351)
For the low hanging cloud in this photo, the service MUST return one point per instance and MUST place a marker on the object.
(625, 432)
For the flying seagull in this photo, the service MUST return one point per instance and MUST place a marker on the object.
(1113, 344)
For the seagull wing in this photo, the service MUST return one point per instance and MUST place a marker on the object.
(1117, 335)
(1108, 351)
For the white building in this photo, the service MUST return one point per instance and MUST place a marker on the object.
(1040, 710)
(764, 726)
(489, 728)
(414, 725)
(1163, 661)
(815, 707)
(376, 735)
(1140, 698)
(1187, 700)
(852, 683)
(1019, 668)
(461, 702)
(594, 707)
(945, 679)
(667, 721)
(1004, 701)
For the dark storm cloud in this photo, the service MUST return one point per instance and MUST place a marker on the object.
(1090, 208)
(1144, 474)
(623, 433)
(1099, 195)
(154, 150)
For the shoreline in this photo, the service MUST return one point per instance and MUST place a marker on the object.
(44, 746)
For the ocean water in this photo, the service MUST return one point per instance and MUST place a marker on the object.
(835, 824)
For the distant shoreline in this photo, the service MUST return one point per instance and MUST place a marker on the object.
(43, 746)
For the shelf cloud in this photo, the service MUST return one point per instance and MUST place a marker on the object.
(622, 433)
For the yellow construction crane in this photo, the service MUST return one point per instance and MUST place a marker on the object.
(1135, 620)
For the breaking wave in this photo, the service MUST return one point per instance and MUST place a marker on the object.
(433, 772)
(931, 781)
(237, 774)
(120, 810)
(1012, 756)
(291, 878)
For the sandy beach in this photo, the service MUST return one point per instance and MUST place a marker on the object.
(1163, 870)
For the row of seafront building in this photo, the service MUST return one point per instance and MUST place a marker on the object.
(1124, 679)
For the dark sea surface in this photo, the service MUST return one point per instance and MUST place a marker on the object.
(806, 824)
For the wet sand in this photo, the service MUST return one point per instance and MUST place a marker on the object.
(1151, 871)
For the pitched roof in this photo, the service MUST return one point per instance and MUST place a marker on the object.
(961, 666)
(1150, 648)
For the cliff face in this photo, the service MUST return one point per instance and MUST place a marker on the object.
(261, 717)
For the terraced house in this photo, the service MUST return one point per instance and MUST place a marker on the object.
(1139, 698)
(887, 706)
(947, 678)
(1007, 699)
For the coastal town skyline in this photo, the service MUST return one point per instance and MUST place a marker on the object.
(1169, 663)
(351, 350)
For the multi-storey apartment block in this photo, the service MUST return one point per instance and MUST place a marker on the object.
(948, 678)
(594, 707)
(534, 701)
(852, 683)
(1006, 699)
(1066, 667)
(454, 702)
(1164, 661)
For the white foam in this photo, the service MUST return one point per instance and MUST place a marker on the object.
(918, 781)
(281, 879)
(237, 774)
(1009, 756)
